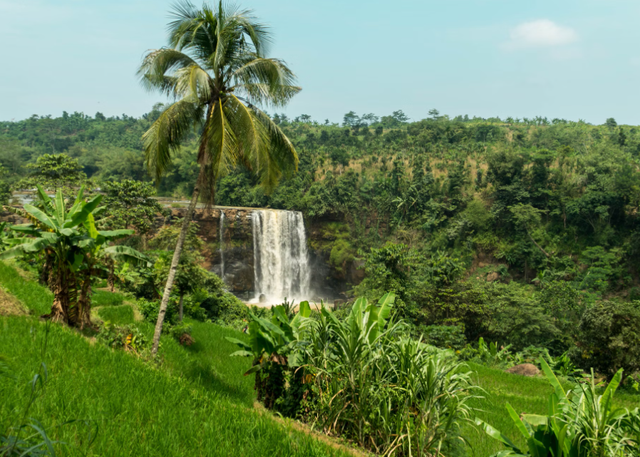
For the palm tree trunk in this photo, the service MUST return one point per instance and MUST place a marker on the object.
(174, 264)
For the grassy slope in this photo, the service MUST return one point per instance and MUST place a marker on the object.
(205, 401)
(198, 403)
(526, 395)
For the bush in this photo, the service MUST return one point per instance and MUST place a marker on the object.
(225, 307)
(516, 318)
(191, 305)
(127, 337)
(609, 338)
(360, 377)
(150, 309)
(580, 422)
(444, 336)
(182, 333)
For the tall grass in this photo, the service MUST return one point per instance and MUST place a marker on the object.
(105, 298)
(36, 298)
(526, 395)
(137, 409)
(120, 315)
(196, 402)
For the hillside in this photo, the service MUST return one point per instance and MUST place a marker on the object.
(523, 232)
(196, 402)
(101, 401)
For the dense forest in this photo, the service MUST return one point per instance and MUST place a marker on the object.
(522, 231)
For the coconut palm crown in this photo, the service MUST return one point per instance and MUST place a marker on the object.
(216, 71)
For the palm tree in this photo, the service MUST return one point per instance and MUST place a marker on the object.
(217, 71)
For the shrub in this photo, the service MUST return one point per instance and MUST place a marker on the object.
(580, 423)
(224, 307)
(182, 333)
(127, 337)
(191, 305)
(360, 377)
(444, 336)
(150, 309)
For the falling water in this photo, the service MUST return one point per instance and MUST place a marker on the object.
(221, 244)
(280, 257)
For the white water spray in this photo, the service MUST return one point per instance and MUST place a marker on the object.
(280, 257)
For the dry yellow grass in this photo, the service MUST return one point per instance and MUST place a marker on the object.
(10, 305)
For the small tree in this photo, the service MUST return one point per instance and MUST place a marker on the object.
(5, 190)
(53, 171)
(130, 204)
(609, 338)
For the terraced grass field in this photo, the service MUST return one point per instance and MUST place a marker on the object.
(197, 402)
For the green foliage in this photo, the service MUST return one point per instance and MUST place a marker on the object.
(72, 250)
(224, 307)
(180, 330)
(129, 203)
(603, 268)
(218, 92)
(488, 354)
(54, 171)
(150, 308)
(126, 337)
(362, 379)
(443, 336)
(5, 190)
(608, 338)
(388, 269)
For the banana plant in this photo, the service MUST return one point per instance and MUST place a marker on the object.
(579, 423)
(270, 344)
(71, 246)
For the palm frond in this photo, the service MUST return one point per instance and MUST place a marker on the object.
(279, 158)
(194, 84)
(155, 70)
(218, 152)
(266, 81)
(167, 133)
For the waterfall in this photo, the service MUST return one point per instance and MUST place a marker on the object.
(221, 244)
(280, 258)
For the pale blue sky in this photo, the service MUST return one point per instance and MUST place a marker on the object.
(574, 59)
